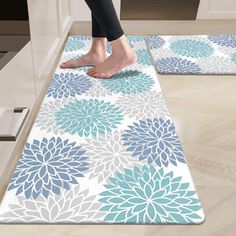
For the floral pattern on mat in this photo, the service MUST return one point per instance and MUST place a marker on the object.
(149, 196)
(47, 166)
(88, 117)
(69, 84)
(128, 82)
(154, 140)
(193, 54)
(73, 205)
(105, 151)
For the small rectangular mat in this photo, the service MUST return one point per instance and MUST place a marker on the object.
(102, 151)
(194, 54)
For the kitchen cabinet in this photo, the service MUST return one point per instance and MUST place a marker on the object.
(217, 9)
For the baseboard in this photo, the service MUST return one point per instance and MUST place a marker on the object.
(165, 27)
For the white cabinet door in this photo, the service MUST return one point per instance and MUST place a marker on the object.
(217, 9)
(49, 24)
(45, 32)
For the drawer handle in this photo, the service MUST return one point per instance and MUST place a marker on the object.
(13, 130)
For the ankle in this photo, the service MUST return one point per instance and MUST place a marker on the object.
(127, 53)
(121, 45)
(98, 50)
(98, 45)
(122, 52)
(97, 53)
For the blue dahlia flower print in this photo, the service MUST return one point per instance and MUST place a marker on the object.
(233, 57)
(175, 65)
(154, 41)
(191, 48)
(226, 40)
(68, 84)
(88, 117)
(134, 38)
(154, 140)
(47, 166)
(74, 44)
(128, 82)
(147, 196)
(143, 57)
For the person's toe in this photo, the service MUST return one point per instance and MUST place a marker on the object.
(91, 72)
(96, 75)
(107, 76)
(63, 65)
(91, 69)
(67, 64)
(103, 75)
(88, 73)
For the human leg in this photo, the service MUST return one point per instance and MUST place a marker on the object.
(105, 14)
(122, 54)
(97, 31)
(97, 53)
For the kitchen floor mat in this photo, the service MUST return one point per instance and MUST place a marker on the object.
(102, 151)
(193, 54)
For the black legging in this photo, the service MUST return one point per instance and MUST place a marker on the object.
(105, 22)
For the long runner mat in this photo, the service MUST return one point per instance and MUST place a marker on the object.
(194, 54)
(102, 151)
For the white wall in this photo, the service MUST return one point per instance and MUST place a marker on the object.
(64, 15)
(81, 12)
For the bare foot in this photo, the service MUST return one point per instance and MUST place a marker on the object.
(96, 55)
(89, 59)
(122, 56)
(112, 65)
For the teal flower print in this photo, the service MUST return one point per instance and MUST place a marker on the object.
(233, 57)
(191, 48)
(74, 43)
(84, 69)
(128, 82)
(82, 37)
(149, 195)
(143, 57)
(88, 117)
(134, 38)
